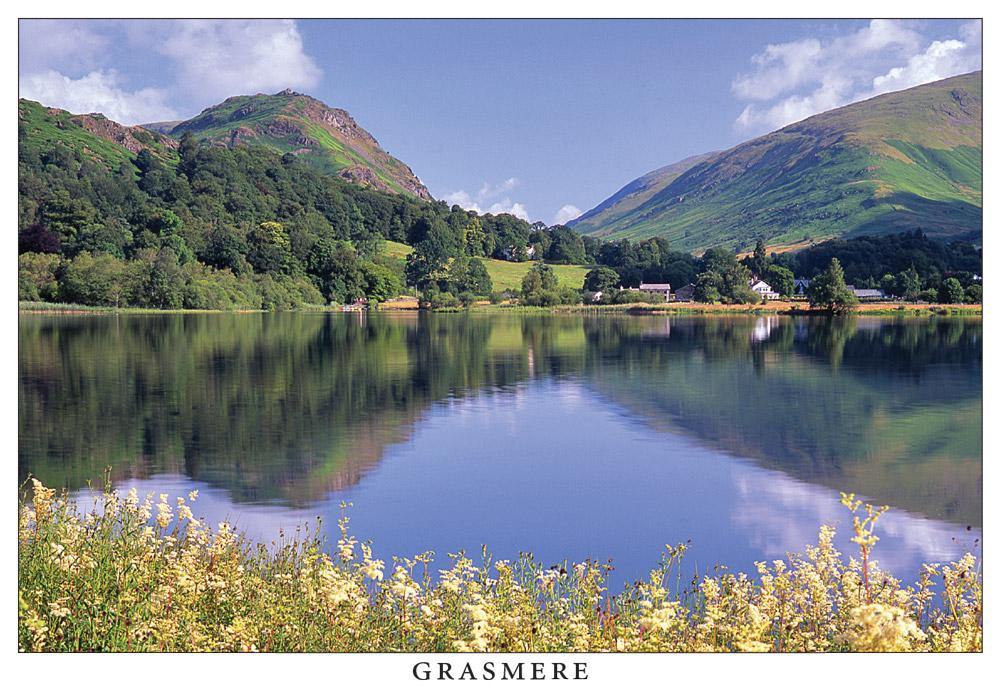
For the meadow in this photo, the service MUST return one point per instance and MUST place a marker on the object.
(507, 275)
(127, 573)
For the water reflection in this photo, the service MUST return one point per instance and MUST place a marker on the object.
(552, 433)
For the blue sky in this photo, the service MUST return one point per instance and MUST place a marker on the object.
(540, 118)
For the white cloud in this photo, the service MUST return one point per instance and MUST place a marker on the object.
(565, 214)
(67, 64)
(481, 200)
(941, 59)
(794, 80)
(44, 44)
(219, 58)
(98, 91)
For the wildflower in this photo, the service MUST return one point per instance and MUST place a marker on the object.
(881, 628)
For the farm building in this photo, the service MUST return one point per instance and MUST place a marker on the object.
(663, 289)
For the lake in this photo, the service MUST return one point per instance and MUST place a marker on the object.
(570, 436)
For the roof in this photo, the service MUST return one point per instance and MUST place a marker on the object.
(868, 292)
(756, 283)
(643, 285)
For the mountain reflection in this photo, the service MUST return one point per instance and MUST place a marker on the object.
(283, 409)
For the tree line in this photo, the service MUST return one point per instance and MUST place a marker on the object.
(248, 227)
(245, 227)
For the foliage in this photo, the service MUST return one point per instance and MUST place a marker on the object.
(951, 291)
(601, 280)
(134, 574)
(828, 290)
(723, 278)
(540, 287)
(270, 219)
(36, 277)
(899, 264)
(650, 260)
(780, 279)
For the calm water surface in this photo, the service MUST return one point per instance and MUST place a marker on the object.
(569, 436)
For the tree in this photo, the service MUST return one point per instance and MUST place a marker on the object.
(98, 280)
(951, 291)
(36, 276)
(974, 293)
(477, 241)
(539, 278)
(270, 249)
(908, 284)
(165, 288)
(758, 262)
(781, 279)
(600, 279)
(469, 275)
(708, 287)
(380, 283)
(566, 247)
(829, 290)
(540, 287)
(37, 238)
(724, 279)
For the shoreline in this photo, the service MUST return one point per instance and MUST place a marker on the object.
(789, 308)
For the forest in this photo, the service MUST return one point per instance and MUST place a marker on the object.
(209, 227)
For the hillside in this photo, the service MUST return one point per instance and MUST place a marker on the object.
(897, 162)
(327, 138)
(93, 135)
(637, 192)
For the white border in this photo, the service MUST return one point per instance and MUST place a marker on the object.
(82, 671)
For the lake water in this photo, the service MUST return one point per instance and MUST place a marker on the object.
(569, 436)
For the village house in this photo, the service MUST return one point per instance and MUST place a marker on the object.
(763, 289)
(801, 287)
(685, 293)
(512, 253)
(868, 294)
(663, 289)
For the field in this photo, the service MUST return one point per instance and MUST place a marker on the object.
(507, 275)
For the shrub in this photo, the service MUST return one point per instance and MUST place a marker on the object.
(36, 276)
(136, 574)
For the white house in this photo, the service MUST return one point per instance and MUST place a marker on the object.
(764, 290)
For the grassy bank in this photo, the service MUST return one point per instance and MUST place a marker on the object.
(145, 575)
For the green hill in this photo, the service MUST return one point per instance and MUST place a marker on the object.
(327, 138)
(897, 162)
(637, 192)
(95, 136)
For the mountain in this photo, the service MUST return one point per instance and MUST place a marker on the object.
(637, 192)
(327, 138)
(92, 134)
(897, 162)
(162, 127)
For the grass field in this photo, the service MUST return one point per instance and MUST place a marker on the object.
(507, 275)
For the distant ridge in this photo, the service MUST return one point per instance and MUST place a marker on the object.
(897, 162)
